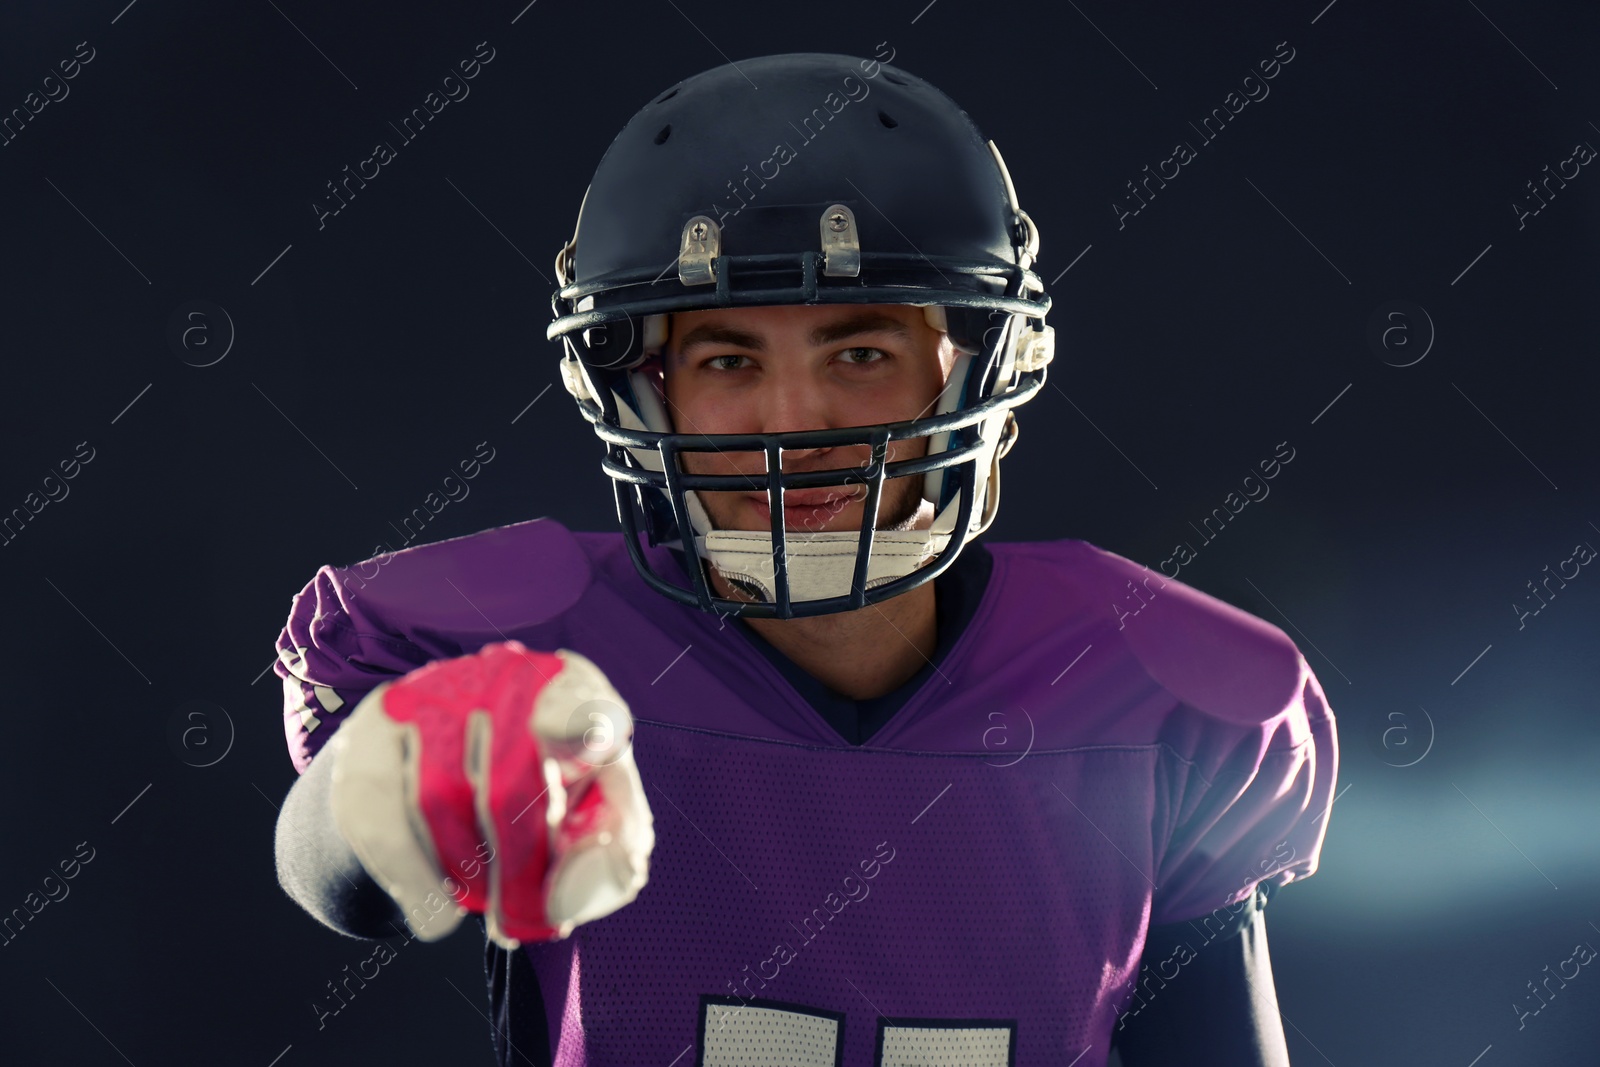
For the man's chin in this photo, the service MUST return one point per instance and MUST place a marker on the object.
(801, 519)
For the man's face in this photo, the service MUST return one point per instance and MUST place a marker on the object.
(805, 367)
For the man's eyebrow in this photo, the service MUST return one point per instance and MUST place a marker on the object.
(720, 335)
(870, 322)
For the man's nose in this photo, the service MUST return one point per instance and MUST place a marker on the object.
(794, 402)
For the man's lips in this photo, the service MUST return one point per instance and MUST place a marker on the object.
(809, 498)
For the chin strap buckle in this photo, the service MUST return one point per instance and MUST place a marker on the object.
(572, 377)
(1035, 348)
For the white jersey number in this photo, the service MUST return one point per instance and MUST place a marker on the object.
(736, 1033)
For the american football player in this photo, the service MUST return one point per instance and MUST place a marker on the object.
(794, 768)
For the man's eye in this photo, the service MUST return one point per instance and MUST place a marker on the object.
(853, 356)
(715, 364)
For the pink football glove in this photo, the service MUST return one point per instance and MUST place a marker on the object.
(500, 783)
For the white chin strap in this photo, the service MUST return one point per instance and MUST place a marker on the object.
(821, 564)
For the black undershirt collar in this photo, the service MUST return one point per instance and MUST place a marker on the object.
(957, 594)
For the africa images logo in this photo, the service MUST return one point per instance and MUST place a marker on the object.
(455, 90)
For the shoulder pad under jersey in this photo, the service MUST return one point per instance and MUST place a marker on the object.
(1209, 654)
(354, 627)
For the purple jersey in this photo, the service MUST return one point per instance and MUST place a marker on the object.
(1102, 750)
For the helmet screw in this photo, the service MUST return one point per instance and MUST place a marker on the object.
(698, 231)
(836, 222)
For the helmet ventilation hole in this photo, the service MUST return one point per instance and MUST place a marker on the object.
(887, 120)
(666, 131)
(894, 78)
(668, 95)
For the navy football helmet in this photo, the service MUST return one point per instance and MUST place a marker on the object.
(839, 181)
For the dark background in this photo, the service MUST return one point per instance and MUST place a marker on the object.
(378, 351)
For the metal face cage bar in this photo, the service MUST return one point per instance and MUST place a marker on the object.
(632, 483)
(620, 466)
(623, 469)
(873, 473)
(604, 420)
(877, 471)
(1018, 280)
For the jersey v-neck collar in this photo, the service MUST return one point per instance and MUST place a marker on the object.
(960, 590)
